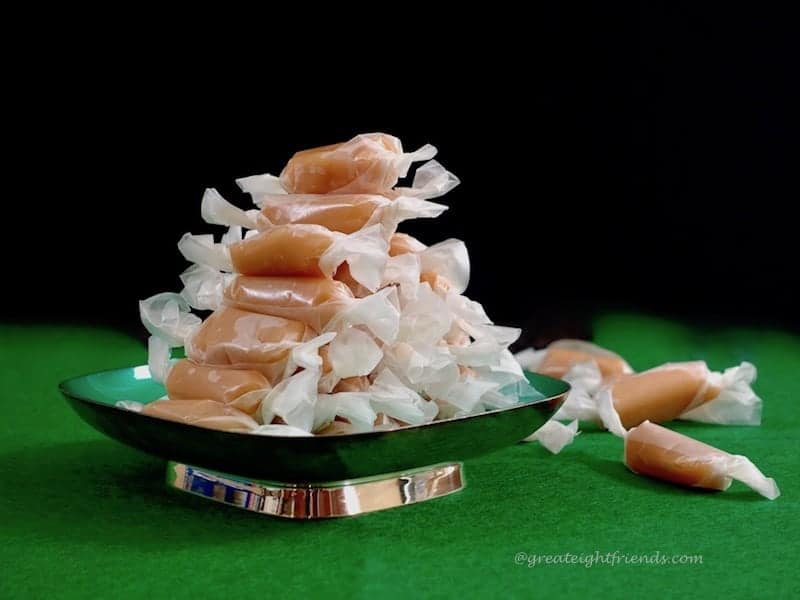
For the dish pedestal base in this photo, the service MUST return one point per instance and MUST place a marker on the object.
(318, 500)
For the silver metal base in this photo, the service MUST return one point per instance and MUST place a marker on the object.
(318, 501)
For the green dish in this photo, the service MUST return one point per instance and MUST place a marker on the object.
(302, 459)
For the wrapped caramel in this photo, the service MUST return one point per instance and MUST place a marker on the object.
(663, 454)
(368, 163)
(680, 391)
(241, 389)
(203, 413)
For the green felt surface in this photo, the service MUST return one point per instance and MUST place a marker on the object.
(82, 516)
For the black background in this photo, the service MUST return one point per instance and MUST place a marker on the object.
(637, 157)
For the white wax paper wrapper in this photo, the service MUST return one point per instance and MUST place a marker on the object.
(479, 388)
(584, 379)
(403, 270)
(423, 365)
(607, 413)
(233, 235)
(742, 469)
(365, 251)
(378, 313)
(467, 310)
(294, 400)
(488, 345)
(480, 353)
(354, 353)
(431, 180)
(554, 436)
(450, 260)
(260, 185)
(530, 358)
(737, 403)
(426, 319)
(406, 208)
(354, 406)
(158, 358)
(215, 210)
(203, 286)
(280, 430)
(393, 398)
(306, 355)
(404, 161)
(464, 395)
(202, 250)
(167, 316)
(505, 370)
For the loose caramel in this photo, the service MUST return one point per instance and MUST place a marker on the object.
(661, 394)
(664, 454)
(557, 361)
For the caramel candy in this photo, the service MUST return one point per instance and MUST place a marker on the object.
(344, 276)
(402, 243)
(202, 413)
(663, 393)
(341, 426)
(558, 360)
(346, 213)
(189, 381)
(286, 250)
(245, 340)
(386, 423)
(367, 164)
(439, 284)
(310, 300)
(658, 452)
(352, 384)
(664, 454)
(441, 264)
(336, 427)
(312, 251)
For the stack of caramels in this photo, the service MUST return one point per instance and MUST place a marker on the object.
(325, 319)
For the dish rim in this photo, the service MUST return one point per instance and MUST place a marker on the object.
(62, 385)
